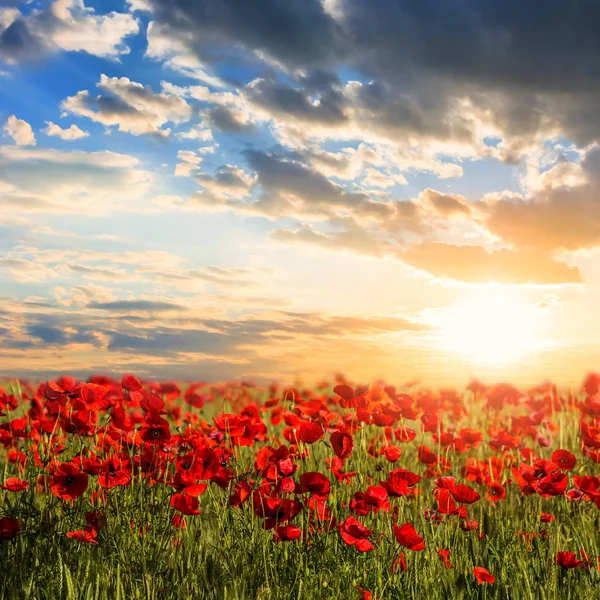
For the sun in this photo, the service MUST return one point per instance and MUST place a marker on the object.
(493, 326)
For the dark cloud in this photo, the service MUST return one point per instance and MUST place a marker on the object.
(276, 174)
(544, 45)
(527, 66)
(294, 32)
(229, 121)
(319, 98)
(47, 333)
(17, 43)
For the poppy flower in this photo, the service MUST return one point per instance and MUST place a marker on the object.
(115, 473)
(392, 453)
(400, 482)
(274, 510)
(68, 482)
(464, 494)
(315, 483)
(564, 459)
(9, 528)
(309, 432)
(483, 575)
(444, 554)
(408, 537)
(547, 518)
(131, 383)
(426, 455)
(354, 533)
(187, 505)
(399, 564)
(342, 443)
(568, 560)
(86, 535)
(468, 525)
(495, 492)
(287, 533)
(14, 484)
(373, 500)
(155, 429)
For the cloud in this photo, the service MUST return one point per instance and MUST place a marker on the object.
(71, 133)
(294, 32)
(134, 306)
(351, 238)
(66, 25)
(444, 205)
(130, 106)
(504, 73)
(557, 216)
(227, 181)
(45, 180)
(473, 264)
(20, 131)
(377, 179)
(190, 162)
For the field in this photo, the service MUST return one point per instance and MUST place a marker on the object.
(130, 489)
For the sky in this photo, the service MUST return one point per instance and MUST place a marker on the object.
(288, 189)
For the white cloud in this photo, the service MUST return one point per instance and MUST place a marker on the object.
(66, 25)
(20, 131)
(71, 133)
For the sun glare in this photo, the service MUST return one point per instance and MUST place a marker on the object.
(493, 327)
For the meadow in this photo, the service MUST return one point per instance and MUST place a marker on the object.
(127, 489)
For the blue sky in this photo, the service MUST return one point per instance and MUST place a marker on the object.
(289, 189)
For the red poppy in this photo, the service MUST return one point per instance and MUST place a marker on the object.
(364, 594)
(495, 492)
(287, 533)
(315, 483)
(426, 456)
(155, 430)
(309, 432)
(468, 525)
(68, 482)
(568, 560)
(392, 453)
(547, 517)
(373, 500)
(14, 484)
(408, 537)
(9, 528)
(187, 505)
(464, 494)
(399, 564)
(445, 556)
(400, 482)
(354, 533)
(342, 443)
(483, 575)
(86, 535)
(116, 472)
(564, 459)
(131, 383)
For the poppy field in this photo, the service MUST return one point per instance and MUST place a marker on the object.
(136, 489)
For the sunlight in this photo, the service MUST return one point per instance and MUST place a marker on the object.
(493, 326)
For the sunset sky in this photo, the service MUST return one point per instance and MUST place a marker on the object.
(226, 189)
